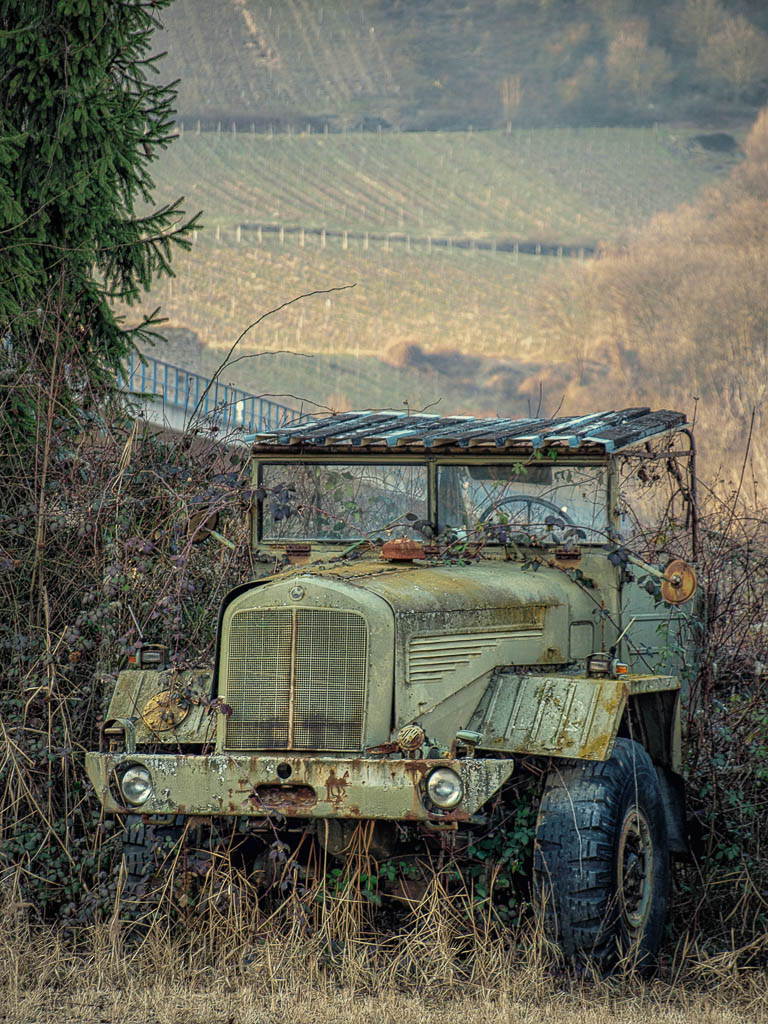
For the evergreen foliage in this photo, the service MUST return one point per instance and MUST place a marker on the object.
(83, 116)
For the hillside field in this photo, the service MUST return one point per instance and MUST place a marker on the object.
(448, 64)
(568, 185)
(423, 322)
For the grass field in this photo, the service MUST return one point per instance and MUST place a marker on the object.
(231, 967)
(474, 302)
(568, 186)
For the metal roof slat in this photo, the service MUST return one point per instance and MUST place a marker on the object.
(441, 424)
(568, 429)
(364, 427)
(537, 440)
(460, 431)
(312, 429)
(331, 424)
(378, 434)
(506, 429)
(412, 425)
(637, 429)
(612, 419)
(407, 436)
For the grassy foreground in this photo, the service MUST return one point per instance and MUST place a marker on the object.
(233, 963)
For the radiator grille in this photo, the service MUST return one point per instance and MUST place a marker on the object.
(296, 679)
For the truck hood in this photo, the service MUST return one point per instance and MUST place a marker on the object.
(447, 589)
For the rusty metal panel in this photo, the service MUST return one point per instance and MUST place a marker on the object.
(557, 715)
(315, 787)
(431, 659)
(135, 697)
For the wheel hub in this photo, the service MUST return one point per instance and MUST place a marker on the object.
(635, 869)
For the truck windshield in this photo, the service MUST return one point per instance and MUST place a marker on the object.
(540, 500)
(341, 502)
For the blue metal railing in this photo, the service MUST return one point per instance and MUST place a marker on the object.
(227, 406)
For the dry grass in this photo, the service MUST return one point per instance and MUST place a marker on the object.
(315, 959)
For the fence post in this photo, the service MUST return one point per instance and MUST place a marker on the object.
(258, 235)
(238, 233)
(322, 238)
(281, 235)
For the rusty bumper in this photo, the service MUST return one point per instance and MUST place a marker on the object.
(297, 787)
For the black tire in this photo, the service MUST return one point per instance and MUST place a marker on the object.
(601, 858)
(145, 845)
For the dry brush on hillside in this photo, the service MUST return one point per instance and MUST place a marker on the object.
(678, 314)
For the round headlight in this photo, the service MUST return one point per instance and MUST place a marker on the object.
(136, 785)
(444, 788)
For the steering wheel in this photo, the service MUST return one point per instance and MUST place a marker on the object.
(526, 502)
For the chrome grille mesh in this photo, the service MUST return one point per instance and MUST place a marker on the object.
(258, 679)
(331, 657)
(296, 679)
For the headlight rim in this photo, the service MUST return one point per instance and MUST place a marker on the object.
(147, 778)
(442, 772)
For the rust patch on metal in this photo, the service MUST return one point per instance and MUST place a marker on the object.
(417, 769)
(165, 710)
(336, 788)
(566, 558)
(402, 549)
(284, 798)
(457, 815)
(383, 748)
(298, 553)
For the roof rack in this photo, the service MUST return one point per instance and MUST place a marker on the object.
(600, 433)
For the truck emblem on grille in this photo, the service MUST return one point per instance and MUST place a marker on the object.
(296, 593)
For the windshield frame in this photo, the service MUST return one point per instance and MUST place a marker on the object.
(433, 463)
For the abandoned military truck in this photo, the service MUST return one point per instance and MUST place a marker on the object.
(447, 604)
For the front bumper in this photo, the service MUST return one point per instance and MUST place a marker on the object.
(304, 787)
